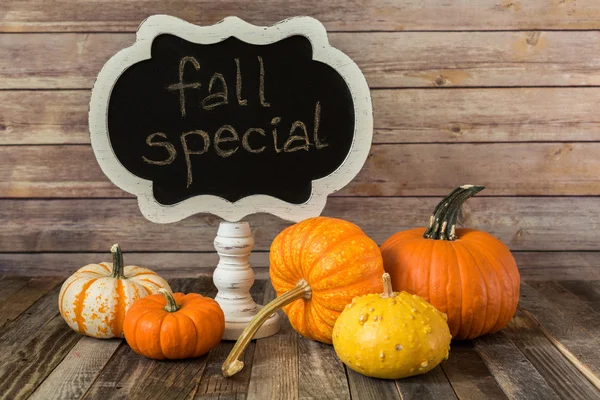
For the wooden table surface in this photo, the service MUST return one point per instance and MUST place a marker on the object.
(42, 358)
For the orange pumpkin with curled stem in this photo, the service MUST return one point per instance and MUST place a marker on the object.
(317, 267)
(174, 325)
(467, 274)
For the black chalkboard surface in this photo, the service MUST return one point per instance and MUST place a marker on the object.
(230, 119)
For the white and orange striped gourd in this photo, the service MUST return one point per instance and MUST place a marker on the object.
(94, 300)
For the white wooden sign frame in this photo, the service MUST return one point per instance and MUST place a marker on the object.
(232, 26)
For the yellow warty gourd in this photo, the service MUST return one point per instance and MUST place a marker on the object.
(391, 335)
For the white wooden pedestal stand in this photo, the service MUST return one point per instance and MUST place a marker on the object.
(234, 277)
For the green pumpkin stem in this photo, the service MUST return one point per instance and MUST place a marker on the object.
(118, 270)
(232, 364)
(171, 303)
(442, 224)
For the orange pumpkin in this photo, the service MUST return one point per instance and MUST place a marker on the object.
(317, 267)
(467, 274)
(174, 326)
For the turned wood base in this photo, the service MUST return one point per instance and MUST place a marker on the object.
(234, 277)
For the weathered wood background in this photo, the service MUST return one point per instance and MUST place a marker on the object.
(503, 93)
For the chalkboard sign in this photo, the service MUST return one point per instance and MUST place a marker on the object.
(230, 119)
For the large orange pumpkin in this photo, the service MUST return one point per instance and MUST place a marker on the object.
(467, 274)
(317, 267)
(174, 326)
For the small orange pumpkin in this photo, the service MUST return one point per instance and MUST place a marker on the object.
(174, 326)
(467, 274)
(317, 267)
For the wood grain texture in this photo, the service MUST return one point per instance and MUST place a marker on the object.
(436, 169)
(486, 115)
(275, 365)
(74, 375)
(588, 292)
(92, 225)
(391, 170)
(10, 285)
(321, 373)
(362, 387)
(35, 341)
(25, 296)
(401, 116)
(577, 310)
(388, 60)
(213, 384)
(558, 372)
(469, 376)
(167, 265)
(48, 362)
(433, 385)
(562, 327)
(533, 266)
(78, 15)
(517, 377)
(27, 365)
(23, 329)
(42, 117)
(128, 375)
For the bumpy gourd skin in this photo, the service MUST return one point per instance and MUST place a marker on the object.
(393, 337)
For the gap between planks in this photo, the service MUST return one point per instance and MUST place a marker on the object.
(336, 15)
(533, 265)
(552, 364)
(566, 168)
(388, 60)
(524, 223)
(581, 367)
(509, 115)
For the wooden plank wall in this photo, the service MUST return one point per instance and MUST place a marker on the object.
(502, 93)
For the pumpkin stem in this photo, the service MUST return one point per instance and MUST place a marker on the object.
(387, 287)
(118, 265)
(171, 303)
(442, 224)
(232, 364)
